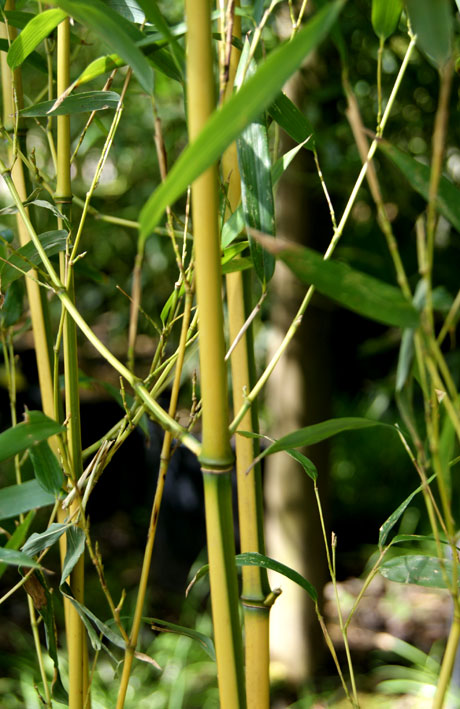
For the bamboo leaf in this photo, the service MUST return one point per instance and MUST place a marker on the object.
(11, 310)
(129, 9)
(417, 569)
(37, 542)
(351, 289)
(17, 538)
(288, 116)
(153, 14)
(166, 627)
(388, 525)
(432, 22)
(75, 538)
(34, 58)
(256, 559)
(16, 558)
(257, 193)
(385, 17)
(227, 122)
(47, 470)
(27, 256)
(76, 103)
(18, 499)
(36, 30)
(116, 32)
(37, 427)
(309, 467)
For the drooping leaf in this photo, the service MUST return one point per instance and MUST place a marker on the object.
(350, 288)
(310, 435)
(226, 124)
(385, 17)
(75, 103)
(36, 30)
(166, 627)
(37, 427)
(129, 9)
(153, 14)
(17, 538)
(16, 558)
(308, 465)
(417, 569)
(292, 120)
(257, 193)
(12, 307)
(75, 538)
(432, 22)
(38, 541)
(418, 175)
(47, 470)
(18, 499)
(116, 32)
(52, 241)
(388, 525)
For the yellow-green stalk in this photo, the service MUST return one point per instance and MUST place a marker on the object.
(216, 455)
(255, 582)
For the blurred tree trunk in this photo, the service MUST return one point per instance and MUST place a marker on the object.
(298, 395)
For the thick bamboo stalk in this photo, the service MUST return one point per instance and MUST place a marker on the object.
(250, 504)
(216, 455)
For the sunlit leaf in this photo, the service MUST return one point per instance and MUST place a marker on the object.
(129, 9)
(75, 103)
(350, 288)
(385, 16)
(226, 124)
(292, 120)
(204, 641)
(418, 569)
(52, 241)
(33, 33)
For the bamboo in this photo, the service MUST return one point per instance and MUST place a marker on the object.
(250, 503)
(216, 455)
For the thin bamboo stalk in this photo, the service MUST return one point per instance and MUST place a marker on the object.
(216, 456)
(250, 504)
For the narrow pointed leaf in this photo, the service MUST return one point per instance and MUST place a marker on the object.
(75, 538)
(34, 58)
(18, 499)
(226, 124)
(17, 538)
(12, 307)
(116, 32)
(418, 175)
(351, 289)
(166, 627)
(417, 569)
(27, 256)
(153, 14)
(37, 542)
(47, 470)
(309, 467)
(76, 103)
(16, 558)
(129, 9)
(36, 428)
(33, 33)
(432, 22)
(256, 559)
(385, 17)
(292, 120)
(388, 525)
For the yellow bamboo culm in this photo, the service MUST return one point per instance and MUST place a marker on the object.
(255, 583)
(216, 458)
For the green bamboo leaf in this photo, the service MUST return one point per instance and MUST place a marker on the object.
(18, 499)
(166, 627)
(318, 432)
(291, 120)
(406, 351)
(257, 193)
(27, 256)
(418, 175)
(38, 541)
(388, 525)
(256, 559)
(76, 103)
(417, 569)
(385, 17)
(18, 18)
(351, 289)
(37, 427)
(47, 470)
(17, 538)
(12, 309)
(16, 558)
(226, 123)
(153, 14)
(34, 58)
(308, 465)
(33, 33)
(432, 22)
(75, 538)
(129, 9)
(119, 34)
